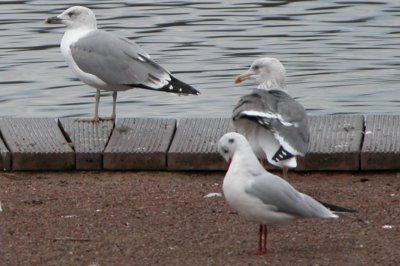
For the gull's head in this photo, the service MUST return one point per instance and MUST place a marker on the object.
(229, 143)
(75, 17)
(267, 73)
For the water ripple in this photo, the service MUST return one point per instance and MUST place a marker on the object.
(341, 57)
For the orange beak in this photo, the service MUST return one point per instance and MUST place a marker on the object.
(243, 77)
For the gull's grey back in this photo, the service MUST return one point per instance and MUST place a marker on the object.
(277, 102)
(129, 64)
(273, 190)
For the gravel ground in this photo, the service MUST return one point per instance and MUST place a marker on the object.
(162, 218)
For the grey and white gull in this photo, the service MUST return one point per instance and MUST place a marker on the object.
(260, 196)
(273, 122)
(110, 62)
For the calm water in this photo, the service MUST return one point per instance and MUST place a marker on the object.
(340, 56)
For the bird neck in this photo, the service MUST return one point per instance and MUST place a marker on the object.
(72, 35)
(84, 25)
(245, 160)
(272, 84)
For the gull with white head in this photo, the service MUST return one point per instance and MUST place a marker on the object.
(110, 62)
(260, 196)
(274, 123)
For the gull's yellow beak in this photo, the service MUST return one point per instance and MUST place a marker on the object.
(243, 77)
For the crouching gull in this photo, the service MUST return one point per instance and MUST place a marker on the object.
(273, 122)
(109, 62)
(260, 196)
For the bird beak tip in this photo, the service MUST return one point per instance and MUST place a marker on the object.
(52, 20)
(242, 77)
(237, 80)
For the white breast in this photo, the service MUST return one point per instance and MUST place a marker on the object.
(70, 37)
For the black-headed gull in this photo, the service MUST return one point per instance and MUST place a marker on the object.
(260, 196)
(110, 62)
(273, 122)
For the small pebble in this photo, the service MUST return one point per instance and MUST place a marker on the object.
(213, 195)
(386, 226)
(68, 216)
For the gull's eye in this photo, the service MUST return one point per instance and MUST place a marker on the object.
(256, 68)
(71, 13)
(231, 140)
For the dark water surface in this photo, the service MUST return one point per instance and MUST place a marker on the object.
(340, 56)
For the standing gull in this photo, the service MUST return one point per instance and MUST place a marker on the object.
(109, 62)
(273, 122)
(260, 196)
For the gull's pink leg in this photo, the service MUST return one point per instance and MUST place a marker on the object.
(96, 107)
(262, 242)
(265, 231)
(114, 113)
(96, 117)
(285, 171)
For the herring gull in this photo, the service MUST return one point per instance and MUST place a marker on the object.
(110, 62)
(273, 122)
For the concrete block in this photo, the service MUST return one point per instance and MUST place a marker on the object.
(139, 143)
(381, 147)
(89, 140)
(194, 146)
(335, 143)
(36, 144)
(5, 157)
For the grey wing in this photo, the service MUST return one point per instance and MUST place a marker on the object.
(250, 102)
(256, 130)
(277, 112)
(293, 128)
(117, 61)
(272, 190)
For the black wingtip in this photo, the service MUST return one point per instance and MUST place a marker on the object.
(179, 87)
(173, 86)
(336, 208)
(282, 155)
